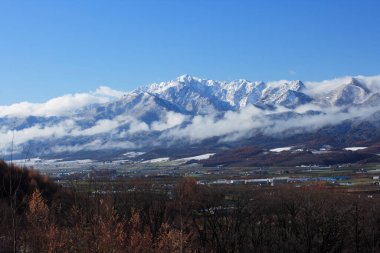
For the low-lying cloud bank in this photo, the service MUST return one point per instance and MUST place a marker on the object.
(250, 120)
(70, 129)
(94, 146)
(117, 132)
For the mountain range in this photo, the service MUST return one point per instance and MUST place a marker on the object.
(189, 116)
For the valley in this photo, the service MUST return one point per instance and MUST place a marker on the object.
(164, 173)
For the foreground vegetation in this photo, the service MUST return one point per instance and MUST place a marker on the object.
(36, 215)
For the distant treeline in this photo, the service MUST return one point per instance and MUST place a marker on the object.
(253, 157)
(36, 215)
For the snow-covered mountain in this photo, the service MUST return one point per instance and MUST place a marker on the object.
(186, 111)
(354, 91)
(202, 96)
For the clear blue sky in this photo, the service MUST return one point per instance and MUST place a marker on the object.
(50, 48)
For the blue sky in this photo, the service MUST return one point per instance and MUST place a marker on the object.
(50, 48)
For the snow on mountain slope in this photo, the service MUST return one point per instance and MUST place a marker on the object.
(201, 96)
(194, 95)
(372, 100)
(346, 91)
(288, 94)
(353, 92)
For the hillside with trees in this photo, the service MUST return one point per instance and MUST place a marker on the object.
(37, 215)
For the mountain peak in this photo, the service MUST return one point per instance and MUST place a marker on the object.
(185, 78)
(297, 85)
(354, 81)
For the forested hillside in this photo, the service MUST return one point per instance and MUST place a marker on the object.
(37, 215)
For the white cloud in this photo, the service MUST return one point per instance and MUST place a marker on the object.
(137, 126)
(107, 91)
(60, 106)
(37, 132)
(322, 87)
(170, 120)
(94, 146)
(70, 129)
(202, 127)
(101, 126)
(325, 86)
(250, 120)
